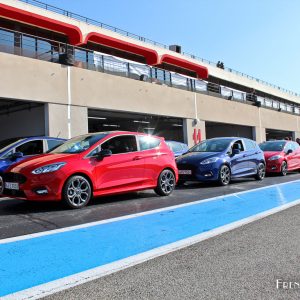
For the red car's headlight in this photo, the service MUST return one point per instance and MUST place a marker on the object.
(48, 168)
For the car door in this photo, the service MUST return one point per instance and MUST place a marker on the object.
(290, 157)
(149, 148)
(124, 169)
(297, 155)
(251, 155)
(239, 162)
(293, 158)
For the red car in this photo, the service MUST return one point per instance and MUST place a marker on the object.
(281, 156)
(92, 165)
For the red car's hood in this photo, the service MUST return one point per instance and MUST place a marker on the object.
(269, 154)
(41, 160)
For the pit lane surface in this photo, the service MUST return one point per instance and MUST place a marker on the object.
(20, 217)
(240, 264)
(286, 190)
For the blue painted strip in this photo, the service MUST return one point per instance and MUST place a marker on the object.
(27, 263)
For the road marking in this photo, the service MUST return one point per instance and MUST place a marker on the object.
(41, 265)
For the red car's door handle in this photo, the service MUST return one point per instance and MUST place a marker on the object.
(138, 157)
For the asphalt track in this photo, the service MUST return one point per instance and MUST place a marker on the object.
(38, 216)
(20, 217)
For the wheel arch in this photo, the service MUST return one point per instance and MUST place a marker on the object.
(86, 176)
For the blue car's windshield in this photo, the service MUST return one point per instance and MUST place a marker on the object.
(274, 146)
(79, 144)
(5, 144)
(213, 145)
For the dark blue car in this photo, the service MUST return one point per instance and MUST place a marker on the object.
(177, 147)
(15, 149)
(221, 159)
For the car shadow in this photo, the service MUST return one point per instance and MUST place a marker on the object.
(16, 207)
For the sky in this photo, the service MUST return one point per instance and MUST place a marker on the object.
(260, 38)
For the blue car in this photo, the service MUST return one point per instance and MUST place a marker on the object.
(16, 149)
(221, 159)
(177, 147)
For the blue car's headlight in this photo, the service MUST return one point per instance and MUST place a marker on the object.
(275, 157)
(209, 161)
(48, 168)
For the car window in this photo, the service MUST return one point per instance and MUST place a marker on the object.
(121, 144)
(148, 142)
(7, 154)
(31, 148)
(250, 145)
(288, 147)
(294, 146)
(94, 152)
(176, 147)
(53, 144)
(238, 145)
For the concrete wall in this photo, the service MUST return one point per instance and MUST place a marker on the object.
(33, 80)
(58, 123)
(213, 70)
(23, 123)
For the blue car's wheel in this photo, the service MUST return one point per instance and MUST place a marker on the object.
(224, 175)
(261, 172)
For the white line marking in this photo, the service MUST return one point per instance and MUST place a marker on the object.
(68, 282)
(86, 225)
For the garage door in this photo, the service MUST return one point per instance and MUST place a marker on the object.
(21, 119)
(214, 129)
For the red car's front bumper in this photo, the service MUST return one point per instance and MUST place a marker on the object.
(273, 166)
(45, 187)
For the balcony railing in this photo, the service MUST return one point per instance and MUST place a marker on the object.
(18, 43)
(143, 39)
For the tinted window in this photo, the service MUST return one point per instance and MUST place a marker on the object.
(175, 147)
(121, 144)
(148, 142)
(238, 145)
(250, 145)
(8, 143)
(214, 145)
(288, 146)
(31, 148)
(7, 154)
(272, 146)
(53, 144)
(296, 146)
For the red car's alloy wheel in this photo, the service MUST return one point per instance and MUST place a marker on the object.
(283, 169)
(166, 183)
(77, 192)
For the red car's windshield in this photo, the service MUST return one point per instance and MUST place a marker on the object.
(273, 146)
(79, 144)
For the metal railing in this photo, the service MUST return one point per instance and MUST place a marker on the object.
(18, 43)
(149, 41)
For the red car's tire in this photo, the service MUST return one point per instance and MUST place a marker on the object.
(165, 183)
(283, 168)
(77, 192)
